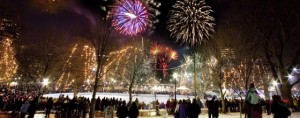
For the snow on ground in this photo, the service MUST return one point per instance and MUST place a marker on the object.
(147, 98)
(229, 115)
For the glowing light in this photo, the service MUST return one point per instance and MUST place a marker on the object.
(8, 63)
(275, 83)
(190, 22)
(175, 75)
(13, 84)
(290, 76)
(45, 82)
(130, 17)
(173, 55)
(155, 49)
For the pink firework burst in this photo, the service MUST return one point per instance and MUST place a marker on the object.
(130, 17)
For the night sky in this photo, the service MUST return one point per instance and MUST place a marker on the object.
(77, 18)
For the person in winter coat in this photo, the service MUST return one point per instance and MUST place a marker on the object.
(97, 105)
(194, 109)
(176, 111)
(133, 111)
(279, 108)
(32, 107)
(122, 111)
(24, 109)
(254, 109)
(85, 109)
(49, 106)
(213, 108)
(183, 109)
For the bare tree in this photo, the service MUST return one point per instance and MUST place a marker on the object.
(134, 66)
(41, 59)
(100, 43)
(277, 35)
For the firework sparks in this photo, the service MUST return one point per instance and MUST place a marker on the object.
(153, 7)
(163, 55)
(155, 49)
(130, 17)
(190, 22)
(173, 55)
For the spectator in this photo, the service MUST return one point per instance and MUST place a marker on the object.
(133, 111)
(24, 109)
(49, 106)
(122, 111)
(279, 108)
(176, 111)
(32, 107)
(254, 109)
(213, 108)
(183, 109)
(194, 109)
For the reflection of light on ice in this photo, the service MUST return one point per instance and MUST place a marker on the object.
(147, 98)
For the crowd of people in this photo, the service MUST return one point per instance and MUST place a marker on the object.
(171, 93)
(20, 103)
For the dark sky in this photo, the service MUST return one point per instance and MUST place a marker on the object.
(80, 16)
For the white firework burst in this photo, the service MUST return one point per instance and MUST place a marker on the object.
(190, 22)
(153, 7)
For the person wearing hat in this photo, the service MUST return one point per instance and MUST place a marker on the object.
(254, 109)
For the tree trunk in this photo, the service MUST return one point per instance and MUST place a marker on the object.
(266, 91)
(93, 101)
(130, 93)
(75, 90)
(223, 101)
(286, 92)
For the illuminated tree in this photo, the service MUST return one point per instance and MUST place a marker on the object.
(102, 42)
(8, 62)
(41, 59)
(78, 68)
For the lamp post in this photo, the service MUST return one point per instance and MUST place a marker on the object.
(175, 75)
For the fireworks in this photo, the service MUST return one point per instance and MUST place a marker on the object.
(130, 17)
(190, 22)
(173, 55)
(163, 56)
(155, 49)
(153, 7)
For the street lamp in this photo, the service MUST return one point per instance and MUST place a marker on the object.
(175, 75)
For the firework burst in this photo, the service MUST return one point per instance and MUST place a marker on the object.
(153, 7)
(130, 17)
(173, 55)
(163, 56)
(190, 22)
